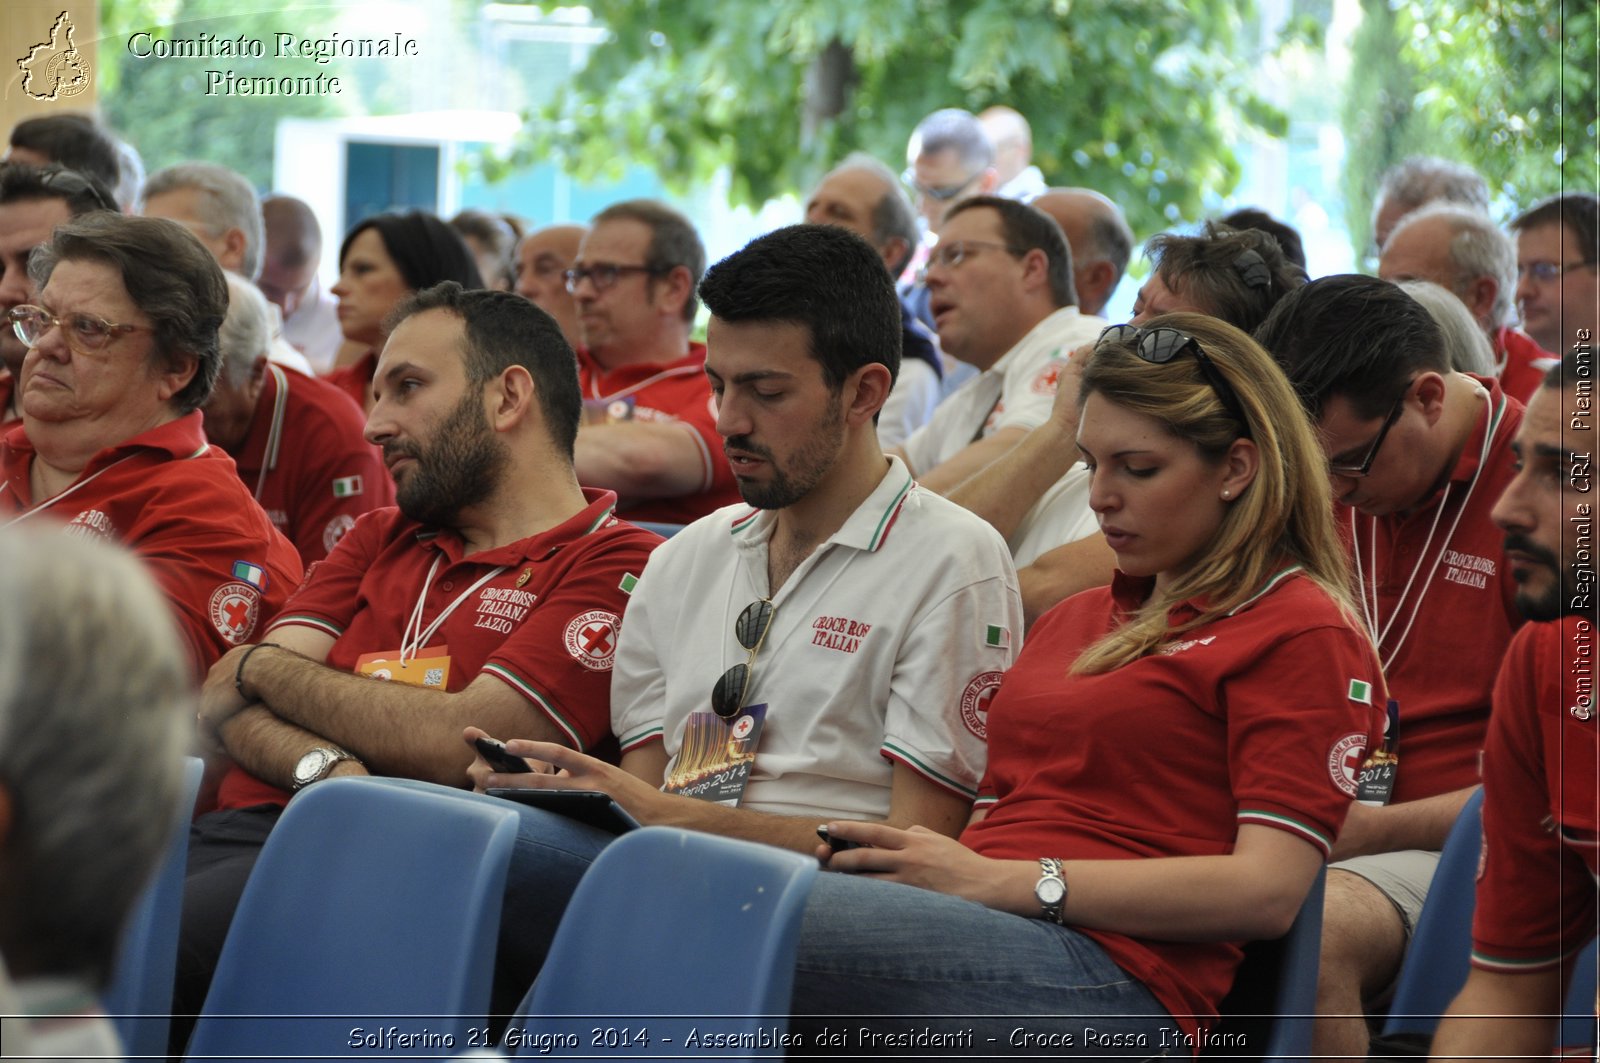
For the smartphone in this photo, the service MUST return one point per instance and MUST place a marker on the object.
(494, 751)
(839, 845)
(586, 806)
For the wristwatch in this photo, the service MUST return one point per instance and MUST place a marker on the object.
(316, 765)
(1051, 889)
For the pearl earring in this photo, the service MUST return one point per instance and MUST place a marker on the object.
(1227, 494)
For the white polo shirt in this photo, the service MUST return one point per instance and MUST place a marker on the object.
(1015, 392)
(886, 645)
(1062, 515)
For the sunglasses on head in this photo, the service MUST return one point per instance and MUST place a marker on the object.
(1158, 346)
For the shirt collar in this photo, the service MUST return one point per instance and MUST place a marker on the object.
(1466, 466)
(626, 376)
(865, 529)
(597, 514)
(1043, 332)
(1130, 592)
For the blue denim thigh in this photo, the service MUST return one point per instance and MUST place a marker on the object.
(898, 960)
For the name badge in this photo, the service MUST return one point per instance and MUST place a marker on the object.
(714, 762)
(429, 668)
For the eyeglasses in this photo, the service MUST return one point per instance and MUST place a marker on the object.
(954, 252)
(1159, 346)
(939, 192)
(1365, 465)
(727, 697)
(604, 275)
(71, 183)
(83, 332)
(1547, 271)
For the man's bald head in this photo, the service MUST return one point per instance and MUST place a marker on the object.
(1099, 237)
(1012, 138)
(294, 248)
(540, 267)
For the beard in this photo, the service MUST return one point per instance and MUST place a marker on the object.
(805, 470)
(1539, 605)
(459, 467)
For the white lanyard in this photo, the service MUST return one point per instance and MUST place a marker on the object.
(47, 503)
(1369, 605)
(280, 403)
(410, 646)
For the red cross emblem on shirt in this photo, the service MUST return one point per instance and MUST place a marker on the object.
(597, 641)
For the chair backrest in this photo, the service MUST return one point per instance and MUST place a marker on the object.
(1268, 1012)
(1440, 952)
(370, 918)
(675, 934)
(140, 993)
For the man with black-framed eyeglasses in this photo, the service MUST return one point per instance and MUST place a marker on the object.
(1417, 455)
(1558, 248)
(33, 201)
(649, 429)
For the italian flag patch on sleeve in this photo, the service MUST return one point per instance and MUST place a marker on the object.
(997, 636)
(1361, 692)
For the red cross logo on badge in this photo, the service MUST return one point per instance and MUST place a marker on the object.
(1345, 760)
(975, 702)
(591, 639)
(233, 611)
(743, 727)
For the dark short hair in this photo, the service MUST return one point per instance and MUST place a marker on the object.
(503, 329)
(673, 241)
(169, 275)
(1567, 372)
(823, 277)
(425, 250)
(1287, 235)
(75, 141)
(1027, 229)
(1217, 270)
(1352, 336)
(1578, 211)
(20, 183)
(953, 129)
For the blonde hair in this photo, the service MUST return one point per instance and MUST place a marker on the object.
(1285, 515)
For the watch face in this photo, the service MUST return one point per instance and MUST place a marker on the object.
(1050, 890)
(311, 766)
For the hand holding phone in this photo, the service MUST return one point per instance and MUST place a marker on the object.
(494, 751)
(839, 845)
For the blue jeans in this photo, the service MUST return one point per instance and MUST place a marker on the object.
(901, 961)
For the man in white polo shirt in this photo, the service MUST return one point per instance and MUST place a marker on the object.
(1002, 297)
(828, 649)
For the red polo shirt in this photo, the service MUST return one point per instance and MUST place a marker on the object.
(355, 379)
(307, 462)
(8, 385)
(544, 622)
(1260, 716)
(676, 392)
(1523, 363)
(175, 500)
(1444, 669)
(1541, 802)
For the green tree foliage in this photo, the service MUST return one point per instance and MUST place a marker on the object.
(1141, 99)
(1506, 86)
(160, 105)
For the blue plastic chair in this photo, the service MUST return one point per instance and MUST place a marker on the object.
(370, 918)
(671, 931)
(1268, 1012)
(1440, 955)
(140, 992)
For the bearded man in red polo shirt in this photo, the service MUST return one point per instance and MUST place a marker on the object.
(490, 597)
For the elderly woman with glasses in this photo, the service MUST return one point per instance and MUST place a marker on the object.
(122, 353)
(1170, 758)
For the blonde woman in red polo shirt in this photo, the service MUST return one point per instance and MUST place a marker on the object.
(1171, 757)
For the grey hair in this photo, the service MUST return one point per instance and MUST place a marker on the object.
(95, 704)
(1478, 248)
(226, 201)
(1420, 179)
(1465, 345)
(246, 331)
(892, 215)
